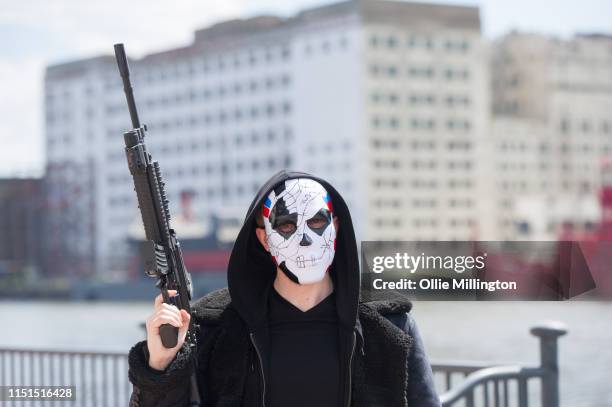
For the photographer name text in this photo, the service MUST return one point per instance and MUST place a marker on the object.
(452, 265)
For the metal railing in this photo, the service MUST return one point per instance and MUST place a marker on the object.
(489, 385)
(101, 378)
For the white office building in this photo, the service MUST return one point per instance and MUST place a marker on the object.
(387, 100)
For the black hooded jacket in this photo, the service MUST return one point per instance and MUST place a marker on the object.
(381, 354)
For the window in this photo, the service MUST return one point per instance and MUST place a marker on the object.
(285, 80)
(285, 52)
(286, 108)
(270, 110)
(375, 122)
(586, 126)
(237, 114)
(269, 55)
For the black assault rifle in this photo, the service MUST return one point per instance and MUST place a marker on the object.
(161, 253)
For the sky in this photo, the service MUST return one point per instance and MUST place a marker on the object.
(36, 33)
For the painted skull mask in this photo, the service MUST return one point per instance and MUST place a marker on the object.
(298, 219)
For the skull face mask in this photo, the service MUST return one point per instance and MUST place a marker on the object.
(298, 221)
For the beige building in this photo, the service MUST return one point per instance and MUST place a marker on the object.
(552, 126)
(424, 121)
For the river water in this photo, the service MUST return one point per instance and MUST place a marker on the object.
(483, 331)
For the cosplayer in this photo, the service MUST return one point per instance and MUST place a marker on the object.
(291, 329)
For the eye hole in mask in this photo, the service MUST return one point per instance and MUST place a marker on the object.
(285, 224)
(286, 229)
(319, 222)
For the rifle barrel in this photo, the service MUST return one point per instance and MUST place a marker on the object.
(124, 70)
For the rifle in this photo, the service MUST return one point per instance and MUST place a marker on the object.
(161, 253)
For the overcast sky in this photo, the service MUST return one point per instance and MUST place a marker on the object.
(35, 33)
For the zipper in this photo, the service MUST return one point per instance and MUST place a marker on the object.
(263, 379)
(350, 371)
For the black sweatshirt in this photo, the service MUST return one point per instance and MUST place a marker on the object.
(304, 364)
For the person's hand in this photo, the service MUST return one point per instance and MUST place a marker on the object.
(159, 356)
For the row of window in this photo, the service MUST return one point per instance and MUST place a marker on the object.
(52, 117)
(223, 192)
(586, 148)
(325, 46)
(250, 87)
(585, 126)
(508, 146)
(252, 139)
(269, 163)
(226, 116)
(423, 222)
(419, 41)
(388, 182)
(415, 123)
(394, 144)
(420, 72)
(523, 147)
(567, 185)
(512, 166)
(121, 200)
(327, 148)
(238, 190)
(433, 164)
(434, 203)
(393, 98)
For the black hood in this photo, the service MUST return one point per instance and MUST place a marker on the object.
(251, 270)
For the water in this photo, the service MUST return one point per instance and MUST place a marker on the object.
(499, 331)
(485, 331)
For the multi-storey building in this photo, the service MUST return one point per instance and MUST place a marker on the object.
(385, 99)
(22, 251)
(552, 127)
(424, 122)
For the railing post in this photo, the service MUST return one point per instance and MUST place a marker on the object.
(548, 334)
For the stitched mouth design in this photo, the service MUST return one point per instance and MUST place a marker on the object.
(303, 262)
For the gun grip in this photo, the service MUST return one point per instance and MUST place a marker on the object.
(169, 335)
